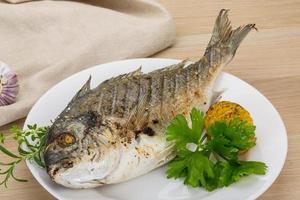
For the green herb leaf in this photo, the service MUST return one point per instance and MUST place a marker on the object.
(231, 172)
(197, 119)
(223, 148)
(246, 168)
(2, 138)
(18, 179)
(195, 167)
(180, 132)
(26, 149)
(177, 168)
(230, 137)
(199, 169)
(7, 152)
(224, 141)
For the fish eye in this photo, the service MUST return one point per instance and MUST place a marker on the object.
(65, 139)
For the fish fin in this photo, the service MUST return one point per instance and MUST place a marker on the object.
(216, 96)
(224, 35)
(86, 87)
(135, 73)
(171, 68)
(176, 66)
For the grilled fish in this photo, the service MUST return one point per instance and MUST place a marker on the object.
(116, 131)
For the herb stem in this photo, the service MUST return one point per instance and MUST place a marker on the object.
(31, 147)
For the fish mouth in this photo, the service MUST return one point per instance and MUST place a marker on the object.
(71, 172)
(83, 172)
(62, 165)
(56, 161)
(82, 175)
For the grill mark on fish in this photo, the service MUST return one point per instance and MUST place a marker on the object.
(181, 83)
(174, 79)
(188, 82)
(208, 56)
(120, 104)
(146, 93)
(155, 88)
(185, 81)
(187, 74)
(162, 84)
(173, 85)
(107, 100)
(169, 86)
(164, 95)
(132, 96)
(134, 113)
(156, 95)
(149, 89)
(194, 81)
(201, 74)
(114, 99)
(139, 93)
(139, 117)
(138, 96)
(100, 103)
(124, 99)
(168, 94)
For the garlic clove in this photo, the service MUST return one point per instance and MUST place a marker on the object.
(9, 87)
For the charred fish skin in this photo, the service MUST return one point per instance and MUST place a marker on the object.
(116, 131)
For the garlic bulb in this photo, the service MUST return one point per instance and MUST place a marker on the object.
(9, 87)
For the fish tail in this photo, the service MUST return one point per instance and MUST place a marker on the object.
(224, 36)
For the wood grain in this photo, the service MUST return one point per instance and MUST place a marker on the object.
(268, 59)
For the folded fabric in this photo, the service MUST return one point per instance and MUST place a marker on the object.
(47, 41)
(17, 1)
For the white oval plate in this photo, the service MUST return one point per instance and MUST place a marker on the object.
(271, 145)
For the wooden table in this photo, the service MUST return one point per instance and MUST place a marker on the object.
(268, 59)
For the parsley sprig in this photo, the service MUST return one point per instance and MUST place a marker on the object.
(31, 145)
(214, 162)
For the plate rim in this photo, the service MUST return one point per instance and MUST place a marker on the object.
(255, 195)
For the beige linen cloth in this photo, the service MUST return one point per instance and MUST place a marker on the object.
(47, 41)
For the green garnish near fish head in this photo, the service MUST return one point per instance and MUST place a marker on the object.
(31, 145)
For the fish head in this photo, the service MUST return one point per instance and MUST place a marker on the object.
(81, 151)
